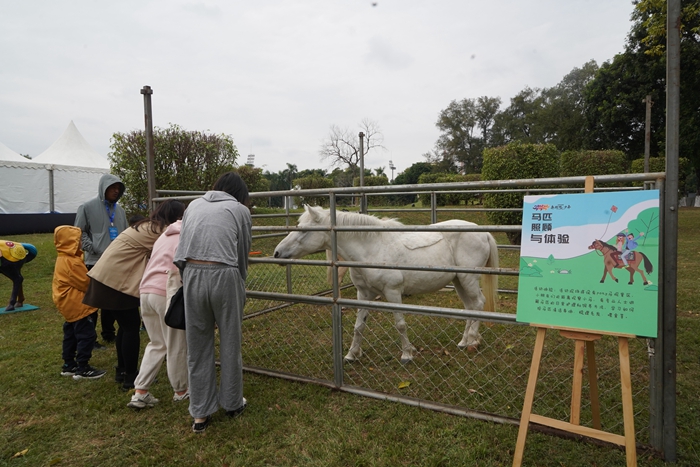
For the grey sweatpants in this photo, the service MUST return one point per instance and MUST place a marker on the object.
(214, 294)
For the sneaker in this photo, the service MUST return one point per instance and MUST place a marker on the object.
(235, 413)
(199, 427)
(179, 398)
(98, 346)
(88, 373)
(69, 369)
(141, 401)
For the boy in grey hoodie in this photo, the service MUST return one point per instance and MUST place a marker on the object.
(101, 219)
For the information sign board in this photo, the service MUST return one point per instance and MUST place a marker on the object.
(571, 271)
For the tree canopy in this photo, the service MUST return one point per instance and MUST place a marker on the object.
(185, 160)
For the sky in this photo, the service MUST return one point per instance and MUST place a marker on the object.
(275, 74)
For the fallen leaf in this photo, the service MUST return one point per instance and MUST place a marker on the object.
(20, 454)
(404, 384)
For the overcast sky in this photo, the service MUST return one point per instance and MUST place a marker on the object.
(276, 74)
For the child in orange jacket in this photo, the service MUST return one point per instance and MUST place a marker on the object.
(70, 281)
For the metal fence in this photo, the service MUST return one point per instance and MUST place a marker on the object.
(298, 326)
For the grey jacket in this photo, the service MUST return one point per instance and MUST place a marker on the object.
(216, 227)
(93, 220)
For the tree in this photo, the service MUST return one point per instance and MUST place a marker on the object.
(466, 127)
(614, 100)
(342, 147)
(520, 121)
(563, 114)
(411, 175)
(184, 160)
(648, 36)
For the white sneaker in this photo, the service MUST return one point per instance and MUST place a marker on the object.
(141, 401)
(178, 398)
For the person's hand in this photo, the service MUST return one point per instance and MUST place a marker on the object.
(641, 234)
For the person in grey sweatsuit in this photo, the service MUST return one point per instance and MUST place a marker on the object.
(213, 255)
(101, 220)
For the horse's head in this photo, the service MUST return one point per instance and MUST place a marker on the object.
(301, 243)
(596, 245)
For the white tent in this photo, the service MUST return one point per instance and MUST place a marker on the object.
(58, 180)
(7, 154)
(72, 149)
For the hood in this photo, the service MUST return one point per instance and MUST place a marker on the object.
(67, 240)
(215, 196)
(105, 181)
(174, 228)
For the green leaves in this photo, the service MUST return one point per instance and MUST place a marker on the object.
(184, 160)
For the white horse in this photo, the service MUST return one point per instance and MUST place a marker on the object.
(462, 249)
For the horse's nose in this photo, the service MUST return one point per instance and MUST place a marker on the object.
(277, 254)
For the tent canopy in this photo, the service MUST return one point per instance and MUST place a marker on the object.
(7, 154)
(73, 150)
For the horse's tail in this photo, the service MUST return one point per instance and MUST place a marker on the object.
(489, 282)
(647, 264)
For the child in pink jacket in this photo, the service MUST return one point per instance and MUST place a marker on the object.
(160, 282)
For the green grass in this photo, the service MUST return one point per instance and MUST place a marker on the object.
(62, 422)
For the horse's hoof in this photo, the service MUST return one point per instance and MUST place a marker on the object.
(646, 283)
(630, 283)
(602, 281)
(406, 361)
(616, 280)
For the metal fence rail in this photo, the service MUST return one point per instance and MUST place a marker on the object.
(297, 325)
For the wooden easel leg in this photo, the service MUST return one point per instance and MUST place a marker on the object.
(529, 397)
(593, 384)
(627, 407)
(575, 418)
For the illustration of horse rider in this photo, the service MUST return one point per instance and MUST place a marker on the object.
(630, 245)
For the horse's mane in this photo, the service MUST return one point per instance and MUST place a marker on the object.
(607, 245)
(346, 219)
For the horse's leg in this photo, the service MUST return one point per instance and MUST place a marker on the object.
(467, 287)
(636, 268)
(407, 349)
(355, 351)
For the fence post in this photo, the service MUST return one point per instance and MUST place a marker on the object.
(336, 311)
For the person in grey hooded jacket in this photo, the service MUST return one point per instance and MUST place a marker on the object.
(101, 220)
(213, 254)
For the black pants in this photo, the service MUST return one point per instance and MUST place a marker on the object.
(78, 341)
(107, 320)
(128, 339)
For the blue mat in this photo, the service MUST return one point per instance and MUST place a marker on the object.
(24, 307)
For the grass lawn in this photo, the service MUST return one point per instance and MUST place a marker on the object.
(46, 419)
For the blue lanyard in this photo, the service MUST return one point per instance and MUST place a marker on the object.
(110, 214)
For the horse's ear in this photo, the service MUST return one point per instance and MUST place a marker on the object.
(314, 212)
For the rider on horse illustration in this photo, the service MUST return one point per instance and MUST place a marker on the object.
(630, 245)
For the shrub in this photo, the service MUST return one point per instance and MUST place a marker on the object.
(447, 199)
(574, 163)
(310, 183)
(658, 164)
(516, 161)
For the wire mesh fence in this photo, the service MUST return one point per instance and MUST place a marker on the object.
(292, 336)
(297, 339)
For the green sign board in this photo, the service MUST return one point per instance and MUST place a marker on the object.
(571, 271)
